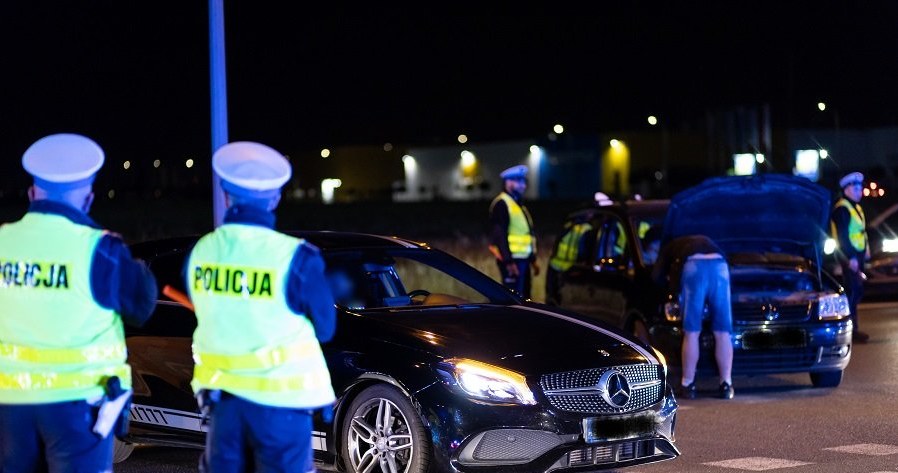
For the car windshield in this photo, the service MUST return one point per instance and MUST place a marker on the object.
(408, 277)
(648, 231)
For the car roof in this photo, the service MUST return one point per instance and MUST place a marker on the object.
(325, 240)
(623, 208)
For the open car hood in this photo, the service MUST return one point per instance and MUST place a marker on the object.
(760, 213)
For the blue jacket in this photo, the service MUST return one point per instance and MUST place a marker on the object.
(117, 281)
(307, 290)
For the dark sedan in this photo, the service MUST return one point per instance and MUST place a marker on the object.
(437, 368)
(789, 315)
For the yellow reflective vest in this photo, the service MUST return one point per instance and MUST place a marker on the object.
(56, 343)
(248, 342)
(521, 242)
(568, 249)
(857, 225)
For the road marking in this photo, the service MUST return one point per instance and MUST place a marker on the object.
(757, 463)
(866, 449)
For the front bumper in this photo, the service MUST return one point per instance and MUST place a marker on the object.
(468, 436)
(827, 347)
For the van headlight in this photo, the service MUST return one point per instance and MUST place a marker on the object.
(833, 306)
(672, 312)
(829, 246)
(485, 381)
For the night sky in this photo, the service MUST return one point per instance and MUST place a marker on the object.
(134, 75)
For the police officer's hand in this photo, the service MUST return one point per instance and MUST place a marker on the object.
(535, 265)
(512, 269)
(852, 263)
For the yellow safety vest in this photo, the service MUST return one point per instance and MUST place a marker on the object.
(56, 343)
(521, 241)
(568, 249)
(247, 341)
(857, 225)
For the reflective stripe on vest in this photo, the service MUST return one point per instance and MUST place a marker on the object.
(520, 237)
(57, 343)
(247, 341)
(88, 379)
(569, 247)
(857, 225)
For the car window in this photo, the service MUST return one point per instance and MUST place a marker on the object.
(648, 234)
(168, 270)
(611, 240)
(377, 279)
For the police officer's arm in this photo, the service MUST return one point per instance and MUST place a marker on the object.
(308, 292)
(841, 218)
(120, 283)
(499, 221)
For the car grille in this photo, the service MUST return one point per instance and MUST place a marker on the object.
(646, 382)
(766, 361)
(770, 312)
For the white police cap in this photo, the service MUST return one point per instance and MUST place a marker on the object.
(63, 161)
(515, 172)
(250, 169)
(851, 178)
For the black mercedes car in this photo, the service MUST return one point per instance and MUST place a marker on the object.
(789, 315)
(436, 368)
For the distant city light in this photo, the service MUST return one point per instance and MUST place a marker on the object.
(882, 192)
(744, 164)
(866, 192)
(872, 185)
(759, 158)
(325, 153)
(388, 146)
(558, 129)
(821, 106)
(824, 154)
(653, 120)
(111, 193)
(658, 175)
(188, 163)
(807, 164)
(615, 143)
(408, 160)
(157, 163)
(468, 159)
(126, 165)
(462, 139)
(535, 149)
(327, 189)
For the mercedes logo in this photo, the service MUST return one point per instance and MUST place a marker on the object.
(615, 388)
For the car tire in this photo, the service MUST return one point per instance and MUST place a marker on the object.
(121, 450)
(826, 379)
(382, 426)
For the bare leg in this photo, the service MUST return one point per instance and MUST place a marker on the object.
(723, 352)
(689, 356)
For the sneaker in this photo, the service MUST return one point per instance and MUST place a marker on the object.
(689, 392)
(725, 391)
(860, 337)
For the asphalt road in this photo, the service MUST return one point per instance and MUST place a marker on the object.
(775, 423)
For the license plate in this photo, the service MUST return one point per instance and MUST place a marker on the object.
(780, 338)
(602, 429)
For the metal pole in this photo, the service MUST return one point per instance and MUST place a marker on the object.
(218, 88)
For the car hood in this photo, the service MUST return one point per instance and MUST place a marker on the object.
(530, 339)
(760, 213)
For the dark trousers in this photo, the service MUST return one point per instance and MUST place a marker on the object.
(53, 437)
(854, 288)
(245, 436)
(521, 283)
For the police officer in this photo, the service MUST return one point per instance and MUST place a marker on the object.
(66, 287)
(849, 229)
(262, 306)
(568, 250)
(511, 232)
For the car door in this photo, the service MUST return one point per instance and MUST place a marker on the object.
(596, 285)
(161, 358)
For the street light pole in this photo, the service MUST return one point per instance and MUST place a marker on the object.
(218, 88)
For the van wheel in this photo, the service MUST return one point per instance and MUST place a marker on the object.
(826, 379)
(121, 450)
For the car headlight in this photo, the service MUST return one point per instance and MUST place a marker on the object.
(672, 312)
(890, 245)
(829, 246)
(833, 306)
(485, 381)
